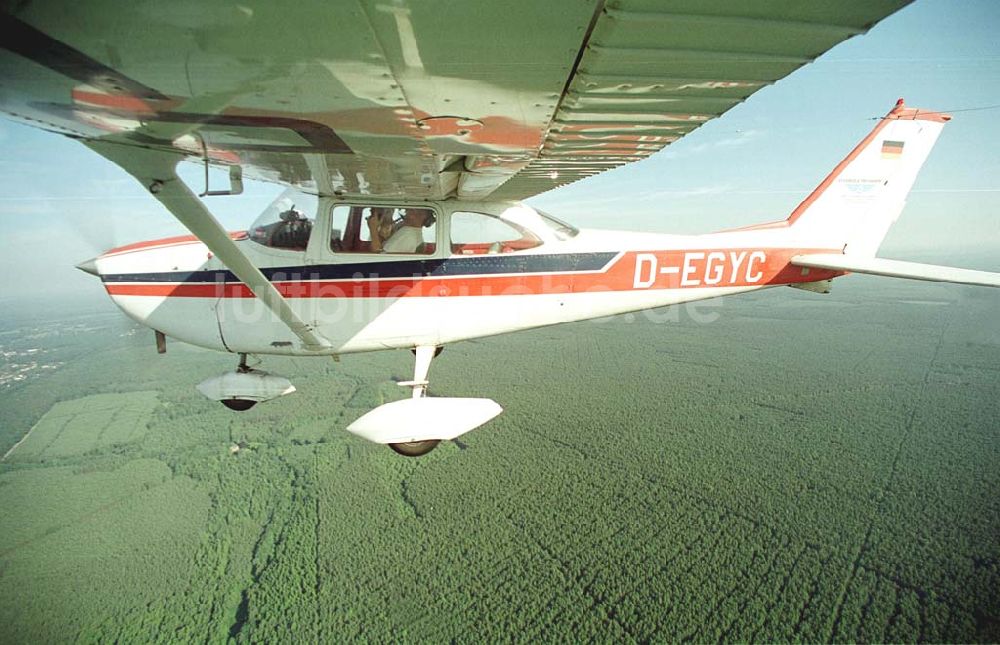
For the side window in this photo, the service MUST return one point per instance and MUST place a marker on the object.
(478, 234)
(382, 229)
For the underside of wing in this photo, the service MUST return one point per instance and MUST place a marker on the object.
(426, 100)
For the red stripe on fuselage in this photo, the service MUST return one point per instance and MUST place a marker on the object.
(633, 271)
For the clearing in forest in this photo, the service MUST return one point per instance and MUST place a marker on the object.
(90, 423)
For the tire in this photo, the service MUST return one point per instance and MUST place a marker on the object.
(415, 448)
(437, 352)
(240, 405)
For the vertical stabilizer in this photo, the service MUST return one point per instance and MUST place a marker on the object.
(857, 203)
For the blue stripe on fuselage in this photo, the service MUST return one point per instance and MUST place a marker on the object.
(454, 266)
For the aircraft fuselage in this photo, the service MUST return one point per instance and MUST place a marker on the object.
(366, 301)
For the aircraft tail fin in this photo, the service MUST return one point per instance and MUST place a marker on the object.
(854, 207)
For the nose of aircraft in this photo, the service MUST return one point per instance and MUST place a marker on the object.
(89, 266)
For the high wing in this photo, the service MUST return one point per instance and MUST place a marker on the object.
(403, 98)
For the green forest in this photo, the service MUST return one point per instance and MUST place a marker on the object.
(799, 467)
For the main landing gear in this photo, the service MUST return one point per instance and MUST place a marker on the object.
(411, 427)
(422, 365)
(415, 426)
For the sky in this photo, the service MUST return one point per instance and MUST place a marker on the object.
(61, 204)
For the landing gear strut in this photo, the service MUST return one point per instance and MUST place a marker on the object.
(424, 355)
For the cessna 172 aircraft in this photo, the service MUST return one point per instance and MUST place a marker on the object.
(417, 126)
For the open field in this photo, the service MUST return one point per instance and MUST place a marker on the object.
(88, 424)
(801, 468)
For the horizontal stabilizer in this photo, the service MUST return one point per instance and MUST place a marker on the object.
(897, 269)
(424, 418)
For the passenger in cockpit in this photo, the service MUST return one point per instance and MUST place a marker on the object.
(380, 226)
(407, 238)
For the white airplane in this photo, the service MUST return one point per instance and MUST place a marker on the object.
(417, 128)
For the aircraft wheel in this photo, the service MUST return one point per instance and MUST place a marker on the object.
(415, 448)
(240, 405)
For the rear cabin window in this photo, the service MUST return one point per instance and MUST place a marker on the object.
(481, 234)
(378, 229)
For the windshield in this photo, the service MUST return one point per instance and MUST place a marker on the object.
(532, 219)
(562, 230)
(286, 223)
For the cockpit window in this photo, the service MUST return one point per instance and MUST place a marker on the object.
(286, 223)
(478, 233)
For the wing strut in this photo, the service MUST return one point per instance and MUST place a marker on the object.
(157, 171)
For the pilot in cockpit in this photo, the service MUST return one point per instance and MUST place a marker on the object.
(408, 235)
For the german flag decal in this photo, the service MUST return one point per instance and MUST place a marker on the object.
(892, 149)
